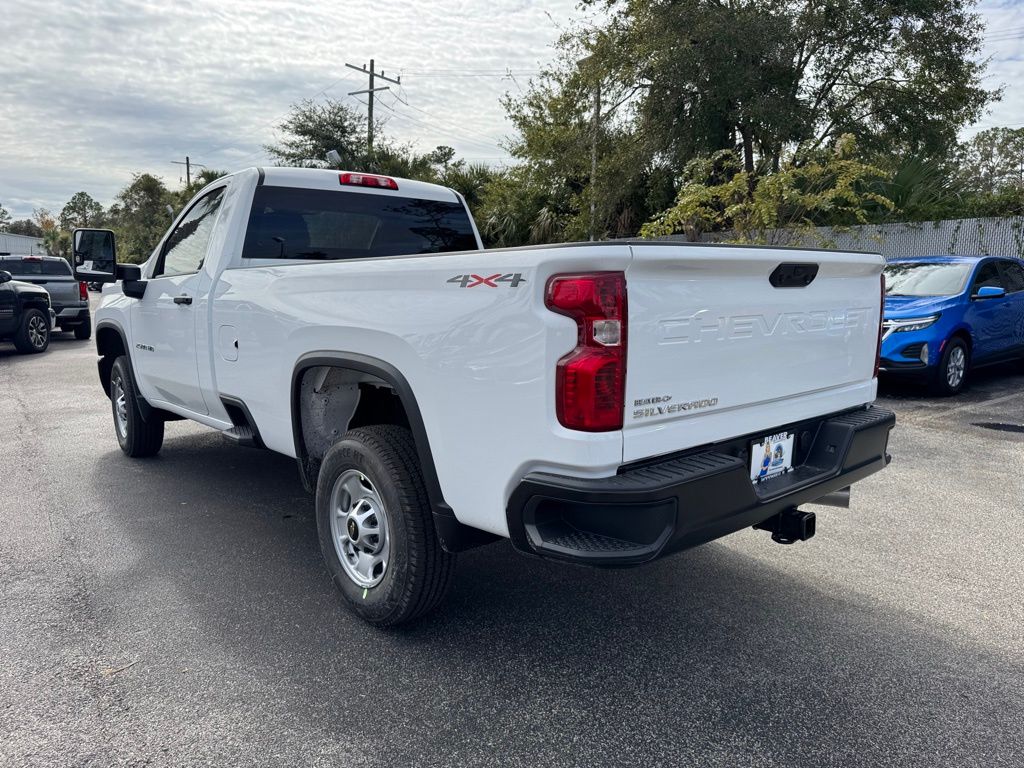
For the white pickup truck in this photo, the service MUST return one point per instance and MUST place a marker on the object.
(602, 403)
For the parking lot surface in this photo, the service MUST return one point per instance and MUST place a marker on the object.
(175, 611)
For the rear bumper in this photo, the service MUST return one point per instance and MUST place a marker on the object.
(73, 315)
(656, 508)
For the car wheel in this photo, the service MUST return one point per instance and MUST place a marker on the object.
(951, 375)
(376, 529)
(138, 437)
(83, 331)
(33, 335)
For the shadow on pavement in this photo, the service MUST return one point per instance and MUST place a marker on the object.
(712, 657)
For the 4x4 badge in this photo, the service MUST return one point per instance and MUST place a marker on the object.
(490, 281)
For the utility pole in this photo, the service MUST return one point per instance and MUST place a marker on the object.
(188, 169)
(370, 91)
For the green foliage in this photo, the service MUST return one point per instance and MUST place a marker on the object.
(80, 211)
(25, 227)
(761, 76)
(181, 198)
(140, 217)
(921, 189)
(828, 189)
(770, 82)
(992, 162)
(313, 129)
(5, 219)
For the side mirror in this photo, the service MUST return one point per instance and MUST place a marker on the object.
(94, 257)
(990, 292)
(5, 276)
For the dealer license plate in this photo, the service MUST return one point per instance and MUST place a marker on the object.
(771, 456)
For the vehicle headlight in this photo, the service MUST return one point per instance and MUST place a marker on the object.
(910, 323)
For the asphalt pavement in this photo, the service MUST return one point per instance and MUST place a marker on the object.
(175, 611)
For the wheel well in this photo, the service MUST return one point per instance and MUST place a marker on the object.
(332, 393)
(41, 305)
(333, 400)
(963, 335)
(110, 346)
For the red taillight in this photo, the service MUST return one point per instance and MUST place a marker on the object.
(83, 291)
(367, 180)
(590, 381)
(881, 317)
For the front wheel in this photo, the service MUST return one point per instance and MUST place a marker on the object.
(33, 335)
(375, 527)
(951, 376)
(137, 436)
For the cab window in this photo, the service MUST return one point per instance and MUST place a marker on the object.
(1013, 276)
(988, 275)
(185, 249)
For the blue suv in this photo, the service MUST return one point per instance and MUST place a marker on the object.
(947, 314)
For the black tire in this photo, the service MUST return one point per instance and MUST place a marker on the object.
(944, 382)
(138, 437)
(33, 334)
(418, 572)
(84, 331)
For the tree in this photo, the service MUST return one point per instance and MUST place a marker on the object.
(182, 197)
(313, 129)
(767, 76)
(140, 217)
(828, 189)
(81, 211)
(25, 227)
(993, 161)
(5, 219)
(55, 244)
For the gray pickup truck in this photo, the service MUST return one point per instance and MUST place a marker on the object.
(69, 298)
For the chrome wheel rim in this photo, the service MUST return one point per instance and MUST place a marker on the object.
(956, 367)
(359, 528)
(37, 331)
(120, 406)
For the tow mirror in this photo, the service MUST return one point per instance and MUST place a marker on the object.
(94, 255)
(990, 292)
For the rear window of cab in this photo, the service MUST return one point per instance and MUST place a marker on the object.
(296, 223)
(33, 267)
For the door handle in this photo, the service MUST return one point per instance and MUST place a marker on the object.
(183, 299)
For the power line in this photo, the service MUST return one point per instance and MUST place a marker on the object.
(490, 139)
(490, 144)
(370, 91)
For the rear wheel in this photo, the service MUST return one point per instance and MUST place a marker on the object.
(83, 331)
(951, 375)
(137, 437)
(33, 335)
(376, 530)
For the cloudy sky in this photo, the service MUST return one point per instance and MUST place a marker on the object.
(94, 90)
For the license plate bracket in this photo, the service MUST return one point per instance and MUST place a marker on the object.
(771, 456)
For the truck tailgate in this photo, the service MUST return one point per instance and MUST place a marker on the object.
(715, 350)
(63, 290)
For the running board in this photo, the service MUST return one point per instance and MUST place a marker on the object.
(245, 436)
(244, 432)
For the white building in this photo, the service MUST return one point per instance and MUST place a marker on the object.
(21, 244)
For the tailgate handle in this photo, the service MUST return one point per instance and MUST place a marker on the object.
(793, 275)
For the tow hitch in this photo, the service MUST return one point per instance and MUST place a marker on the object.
(789, 526)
